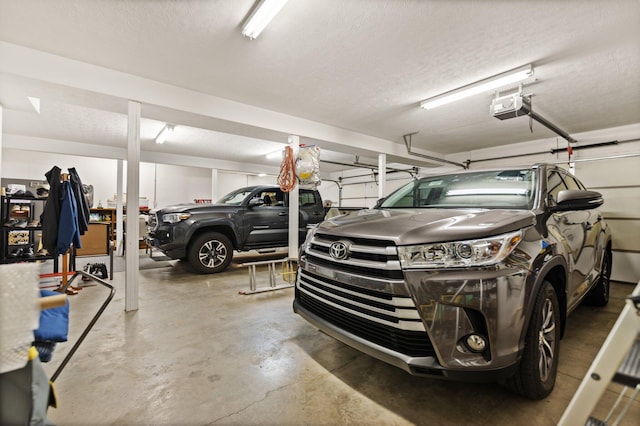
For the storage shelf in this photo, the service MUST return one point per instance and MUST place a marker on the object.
(30, 208)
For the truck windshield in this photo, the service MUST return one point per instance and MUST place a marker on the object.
(235, 198)
(501, 189)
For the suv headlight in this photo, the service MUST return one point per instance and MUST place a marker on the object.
(311, 231)
(175, 217)
(484, 251)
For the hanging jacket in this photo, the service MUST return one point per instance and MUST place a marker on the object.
(51, 214)
(81, 201)
(68, 231)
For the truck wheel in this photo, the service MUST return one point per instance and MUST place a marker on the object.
(538, 367)
(210, 253)
(599, 294)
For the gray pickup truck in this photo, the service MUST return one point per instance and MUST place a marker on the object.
(467, 276)
(255, 217)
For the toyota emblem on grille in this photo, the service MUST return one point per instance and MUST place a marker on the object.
(339, 250)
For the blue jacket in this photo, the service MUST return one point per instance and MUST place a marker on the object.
(68, 229)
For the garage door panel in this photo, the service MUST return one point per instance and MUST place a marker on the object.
(604, 173)
(621, 202)
(618, 180)
(625, 234)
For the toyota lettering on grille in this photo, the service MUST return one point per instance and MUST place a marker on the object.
(339, 250)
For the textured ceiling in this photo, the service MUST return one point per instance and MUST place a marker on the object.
(357, 65)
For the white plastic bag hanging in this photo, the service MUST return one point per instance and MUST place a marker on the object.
(308, 166)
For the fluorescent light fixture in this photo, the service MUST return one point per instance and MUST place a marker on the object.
(164, 133)
(500, 80)
(35, 102)
(261, 16)
(262, 174)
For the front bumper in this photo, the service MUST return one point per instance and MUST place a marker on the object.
(417, 366)
(170, 240)
(450, 305)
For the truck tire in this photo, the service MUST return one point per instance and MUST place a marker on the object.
(538, 367)
(210, 253)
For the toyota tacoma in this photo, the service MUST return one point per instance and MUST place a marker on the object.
(255, 217)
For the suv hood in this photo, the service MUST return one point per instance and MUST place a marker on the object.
(418, 226)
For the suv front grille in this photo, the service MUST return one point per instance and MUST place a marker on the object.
(374, 258)
(360, 298)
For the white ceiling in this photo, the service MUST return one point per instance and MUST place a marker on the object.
(351, 72)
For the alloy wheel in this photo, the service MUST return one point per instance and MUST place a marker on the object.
(212, 254)
(546, 340)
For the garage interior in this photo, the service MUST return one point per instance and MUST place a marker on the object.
(92, 84)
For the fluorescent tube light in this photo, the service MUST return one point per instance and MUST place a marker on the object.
(164, 133)
(500, 80)
(261, 16)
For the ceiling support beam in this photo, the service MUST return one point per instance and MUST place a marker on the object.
(31, 63)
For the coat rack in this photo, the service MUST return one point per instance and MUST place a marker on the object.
(65, 256)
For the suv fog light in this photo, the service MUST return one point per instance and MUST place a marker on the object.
(476, 342)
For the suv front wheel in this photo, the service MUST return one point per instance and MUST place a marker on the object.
(210, 253)
(536, 374)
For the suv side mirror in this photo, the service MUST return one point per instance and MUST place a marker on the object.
(575, 199)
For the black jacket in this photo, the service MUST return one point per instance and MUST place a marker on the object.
(51, 215)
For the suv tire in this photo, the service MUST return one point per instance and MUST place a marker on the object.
(210, 253)
(538, 367)
(599, 294)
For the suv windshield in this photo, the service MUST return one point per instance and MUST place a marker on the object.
(500, 189)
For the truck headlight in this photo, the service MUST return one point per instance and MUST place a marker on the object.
(484, 251)
(175, 217)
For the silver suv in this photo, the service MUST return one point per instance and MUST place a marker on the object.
(466, 276)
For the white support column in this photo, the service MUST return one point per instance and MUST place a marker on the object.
(132, 260)
(214, 185)
(382, 175)
(294, 208)
(119, 208)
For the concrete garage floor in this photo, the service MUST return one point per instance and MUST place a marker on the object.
(198, 353)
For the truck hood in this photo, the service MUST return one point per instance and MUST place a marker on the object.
(418, 226)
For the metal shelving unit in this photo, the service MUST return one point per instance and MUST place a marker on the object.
(26, 236)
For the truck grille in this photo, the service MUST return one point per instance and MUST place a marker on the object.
(360, 297)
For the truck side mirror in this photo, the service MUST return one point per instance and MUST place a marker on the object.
(254, 202)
